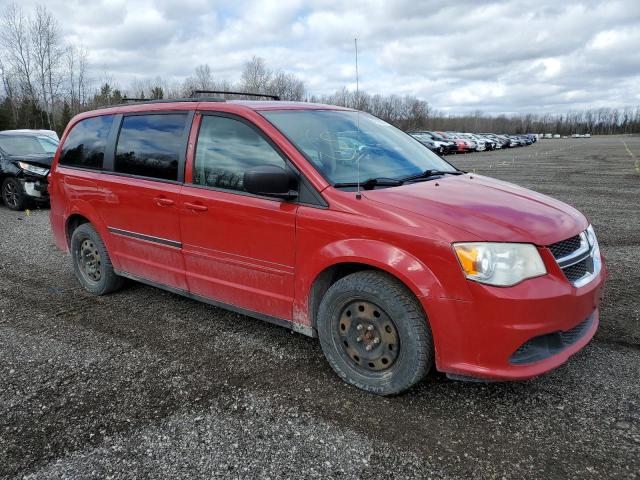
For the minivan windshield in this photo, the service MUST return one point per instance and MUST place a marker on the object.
(341, 143)
(20, 145)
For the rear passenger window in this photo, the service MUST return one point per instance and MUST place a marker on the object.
(84, 146)
(225, 149)
(151, 145)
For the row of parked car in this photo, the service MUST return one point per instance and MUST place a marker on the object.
(445, 143)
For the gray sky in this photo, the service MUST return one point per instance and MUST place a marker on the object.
(510, 56)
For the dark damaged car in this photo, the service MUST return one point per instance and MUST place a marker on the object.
(25, 160)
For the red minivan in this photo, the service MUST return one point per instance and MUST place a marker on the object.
(335, 224)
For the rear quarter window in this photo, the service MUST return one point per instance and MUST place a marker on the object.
(85, 144)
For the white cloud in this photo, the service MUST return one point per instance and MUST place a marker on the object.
(508, 56)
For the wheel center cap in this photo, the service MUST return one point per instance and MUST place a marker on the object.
(368, 336)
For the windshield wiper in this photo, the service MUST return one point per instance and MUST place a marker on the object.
(371, 183)
(432, 173)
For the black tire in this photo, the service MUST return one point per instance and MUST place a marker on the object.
(13, 194)
(91, 262)
(345, 312)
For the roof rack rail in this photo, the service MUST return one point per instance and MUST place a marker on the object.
(171, 100)
(222, 92)
(147, 101)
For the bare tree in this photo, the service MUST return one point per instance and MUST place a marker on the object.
(287, 86)
(202, 79)
(14, 37)
(256, 77)
(47, 57)
(76, 64)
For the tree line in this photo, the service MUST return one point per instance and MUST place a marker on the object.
(45, 82)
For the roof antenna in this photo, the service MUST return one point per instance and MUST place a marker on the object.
(358, 194)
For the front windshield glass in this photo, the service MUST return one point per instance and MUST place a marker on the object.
(20, 145)
(49, 145)
(336, 141)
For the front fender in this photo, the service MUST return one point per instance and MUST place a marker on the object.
(393, 260)
(407, 268)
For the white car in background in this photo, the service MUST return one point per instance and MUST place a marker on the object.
(48, 139)
(44, 133)
(490, 143)
(441, 146)
(481, 145)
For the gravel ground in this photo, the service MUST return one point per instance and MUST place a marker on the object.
(147, 384)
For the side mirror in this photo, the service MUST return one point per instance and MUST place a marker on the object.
(269, 180)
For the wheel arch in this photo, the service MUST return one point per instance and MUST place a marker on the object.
(73, 222)
(82, 212)
(365, 255)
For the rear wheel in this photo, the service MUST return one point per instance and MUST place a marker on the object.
(374, 333)
(13, 194)
(91, 262)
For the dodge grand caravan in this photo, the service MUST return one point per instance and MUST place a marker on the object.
(335, 224)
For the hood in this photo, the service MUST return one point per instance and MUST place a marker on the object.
(42, 160)
(489, 209)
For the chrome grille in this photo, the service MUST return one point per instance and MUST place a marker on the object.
(577, 270)
(565, 247)
(575, 257)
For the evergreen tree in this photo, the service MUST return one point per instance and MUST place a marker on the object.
(6, 116)
(65, 117)
(117, 98)
(157, 93)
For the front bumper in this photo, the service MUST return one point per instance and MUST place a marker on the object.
(36, 188)
(481, 338)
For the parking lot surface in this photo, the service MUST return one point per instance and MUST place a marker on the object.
(147, 384)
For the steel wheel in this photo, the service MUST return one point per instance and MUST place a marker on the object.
(11, 195)
(90, 261)
(368, 336)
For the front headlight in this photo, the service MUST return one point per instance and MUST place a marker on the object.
(501, 264)
(33, 169)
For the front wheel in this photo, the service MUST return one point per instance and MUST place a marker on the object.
(13, 194)
(374, 333)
